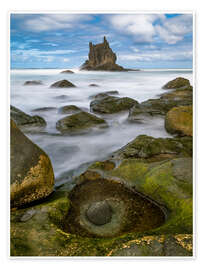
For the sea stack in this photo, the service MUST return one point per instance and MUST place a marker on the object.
(101, 57)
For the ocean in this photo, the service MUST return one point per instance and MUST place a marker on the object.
(71, 155)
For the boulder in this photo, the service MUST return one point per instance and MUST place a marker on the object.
(160, 106)
(62, 84)
(24, 120)
(179, 121)
(69, 109)
(32, 176)
(67, 71)
(111, 104)
(177, 83)
(79, 122)
(104, 94)
(94, 85)
(33, 83)
(101, 57)
(44, 109)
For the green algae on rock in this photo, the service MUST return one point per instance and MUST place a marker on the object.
(62, 84)
(179, 121)
(32, 176)
(177, 83)
(111, 104)
(80, 122)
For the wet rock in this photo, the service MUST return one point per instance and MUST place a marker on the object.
(94, 85)
(23, 119)
(99, 213)
(104, 94)
(32, 176)
(156, 246)
(67, 71)
(112, 104)
(44, 109)
(101, 57)
(28, 215)
(177, 83)
(150, 148)
(179, 121)
(79, 122)
(33, 83)
(69, 109)
(62, 84)
(106, 208)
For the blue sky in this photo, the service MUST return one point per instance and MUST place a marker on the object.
(139, 40)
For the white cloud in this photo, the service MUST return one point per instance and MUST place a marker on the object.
(173, 29)
(47, 22)
(165, 55)
(139, 25)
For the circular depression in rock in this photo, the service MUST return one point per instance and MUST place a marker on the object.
(107, 208)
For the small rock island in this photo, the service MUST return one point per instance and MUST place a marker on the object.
(101, 57)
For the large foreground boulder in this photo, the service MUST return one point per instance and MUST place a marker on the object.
(179, 120)
(62, 84)
(111, 104)
(24, 120)
(79, 123)
(32, 176)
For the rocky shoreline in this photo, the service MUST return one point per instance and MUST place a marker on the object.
(137, 202)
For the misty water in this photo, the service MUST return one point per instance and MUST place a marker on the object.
(70, 155)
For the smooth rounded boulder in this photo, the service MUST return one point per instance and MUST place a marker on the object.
(79, 122)
(32, 176)
(179, 121)
(177, 83)
(62, 84)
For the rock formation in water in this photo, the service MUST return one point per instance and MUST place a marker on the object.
(101, 57)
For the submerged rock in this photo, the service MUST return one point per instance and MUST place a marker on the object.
(94, 85)
(111, 104)
(62, 84)
(32, 176)
(104, 94)
(179, 121)
(44, 109)
(101, 57)
(67, 71)
(79, 122)
(23, 119)
(177, 83)
(69, 109)
(33, 83)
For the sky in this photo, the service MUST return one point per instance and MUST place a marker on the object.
(52, 40)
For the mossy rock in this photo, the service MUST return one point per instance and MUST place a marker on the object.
(80, 122)
(155, 149)
(111, 104)
(67, 71)
(24, 120)
(179, 121)
(69, 109)
(177, 83)
(32, 176)
(163, 245)
(62, 84)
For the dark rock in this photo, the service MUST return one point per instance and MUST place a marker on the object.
(147, 147)
(32, 176)
(104, 94)
(160, 106)
(79, 122)
(179, 121)
(67, 71)
(112, 104)
(99, 213)
(101, 57)
(44, 109)
(94, 85)
(177, 83)
(33, 83)
(62, 84)
(23, 119)
(69, 109)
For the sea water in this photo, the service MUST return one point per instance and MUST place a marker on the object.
(70, 155)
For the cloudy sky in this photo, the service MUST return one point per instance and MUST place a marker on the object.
(139, 40)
